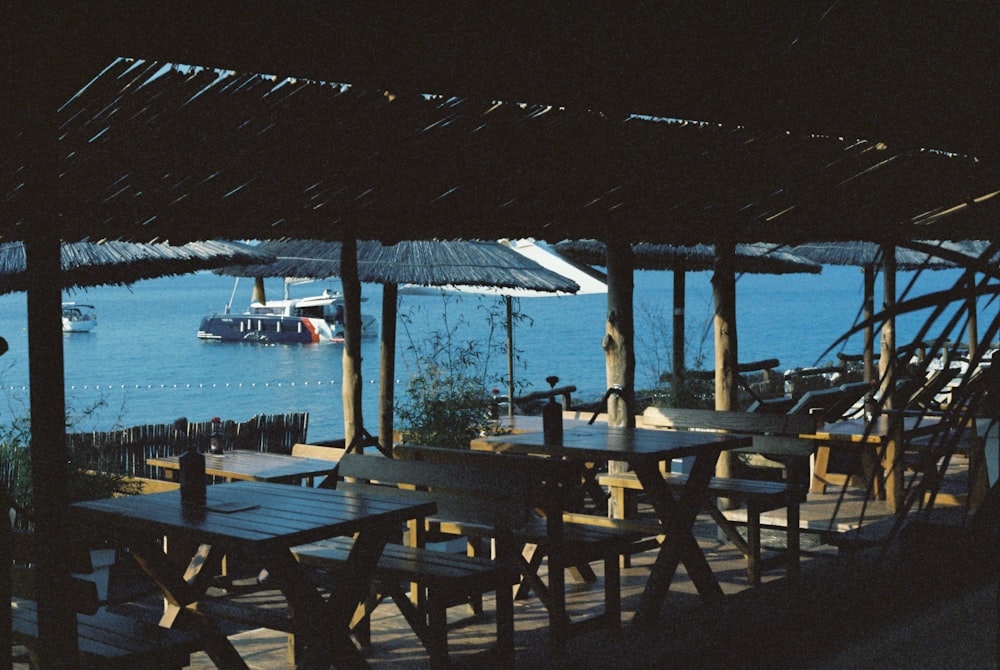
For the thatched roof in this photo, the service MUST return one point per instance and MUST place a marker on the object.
(423, 262)
(853, 69)
(867, 254)
(263, 157)
(109, 262)
(752, 258)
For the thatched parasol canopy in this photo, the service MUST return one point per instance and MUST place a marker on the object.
(422, 262)
(869, 256)
(862, 254)
(112, 262)
(751, 258)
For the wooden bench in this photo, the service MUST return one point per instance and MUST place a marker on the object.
(444, 579)
(447, 579)
(515, 501)
(104, 639)
(760, 496)
(773, 435)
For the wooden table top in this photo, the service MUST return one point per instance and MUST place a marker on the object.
(254, 465)
(254, 515)
(599, 441)
(857, 430)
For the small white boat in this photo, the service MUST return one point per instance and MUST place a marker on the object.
(78, 318)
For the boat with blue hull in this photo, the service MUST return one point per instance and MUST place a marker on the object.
(309, 320)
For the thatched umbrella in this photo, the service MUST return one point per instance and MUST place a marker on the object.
(421, 262)
(752, 258)
(589, 281)
(869, 256)
(112, 262)
(81, 264)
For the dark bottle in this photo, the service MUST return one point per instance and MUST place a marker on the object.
(552, 427)
(192, 468)
(192, 477)
(215, 437)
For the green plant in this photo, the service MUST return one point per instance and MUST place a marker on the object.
(654, 357)
(448, 400)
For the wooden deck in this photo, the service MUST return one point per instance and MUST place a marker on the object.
(934, 609)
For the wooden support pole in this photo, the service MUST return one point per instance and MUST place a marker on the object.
(868, 309)
(618, 343)
(726, 349)
(887, 375)
(353, 412)
(678, 336)
(387, 367)
(49, 453)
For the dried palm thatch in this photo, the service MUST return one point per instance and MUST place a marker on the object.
(112, 262)
(863, 254)
(752, 258)
(423, 262)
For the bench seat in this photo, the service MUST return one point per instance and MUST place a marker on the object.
(759, 495)
(447, 578)
(107, 640)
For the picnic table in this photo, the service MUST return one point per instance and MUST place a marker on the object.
(257, 466)
(265, 521)
(873, 438)
(644, 451)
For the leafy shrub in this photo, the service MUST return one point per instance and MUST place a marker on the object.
(447, 399)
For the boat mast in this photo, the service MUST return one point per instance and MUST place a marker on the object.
(229, 304)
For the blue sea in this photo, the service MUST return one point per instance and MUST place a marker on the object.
(145, 364)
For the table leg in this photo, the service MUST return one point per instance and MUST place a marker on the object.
(677, 517)
(324, 627)
(181, 590)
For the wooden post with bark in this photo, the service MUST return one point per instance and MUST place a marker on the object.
(387, 368)
(351, 393)
(726, 350)
(618, 342)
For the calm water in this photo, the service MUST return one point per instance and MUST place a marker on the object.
(146, 364)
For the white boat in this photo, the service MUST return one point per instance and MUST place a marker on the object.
(78, 318)
(309, 320)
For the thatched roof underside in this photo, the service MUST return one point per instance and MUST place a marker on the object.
(751, 258)
(93, 264)
(422, 262)
(151, 151)
(867, 254)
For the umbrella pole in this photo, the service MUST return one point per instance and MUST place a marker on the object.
(510, 358)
